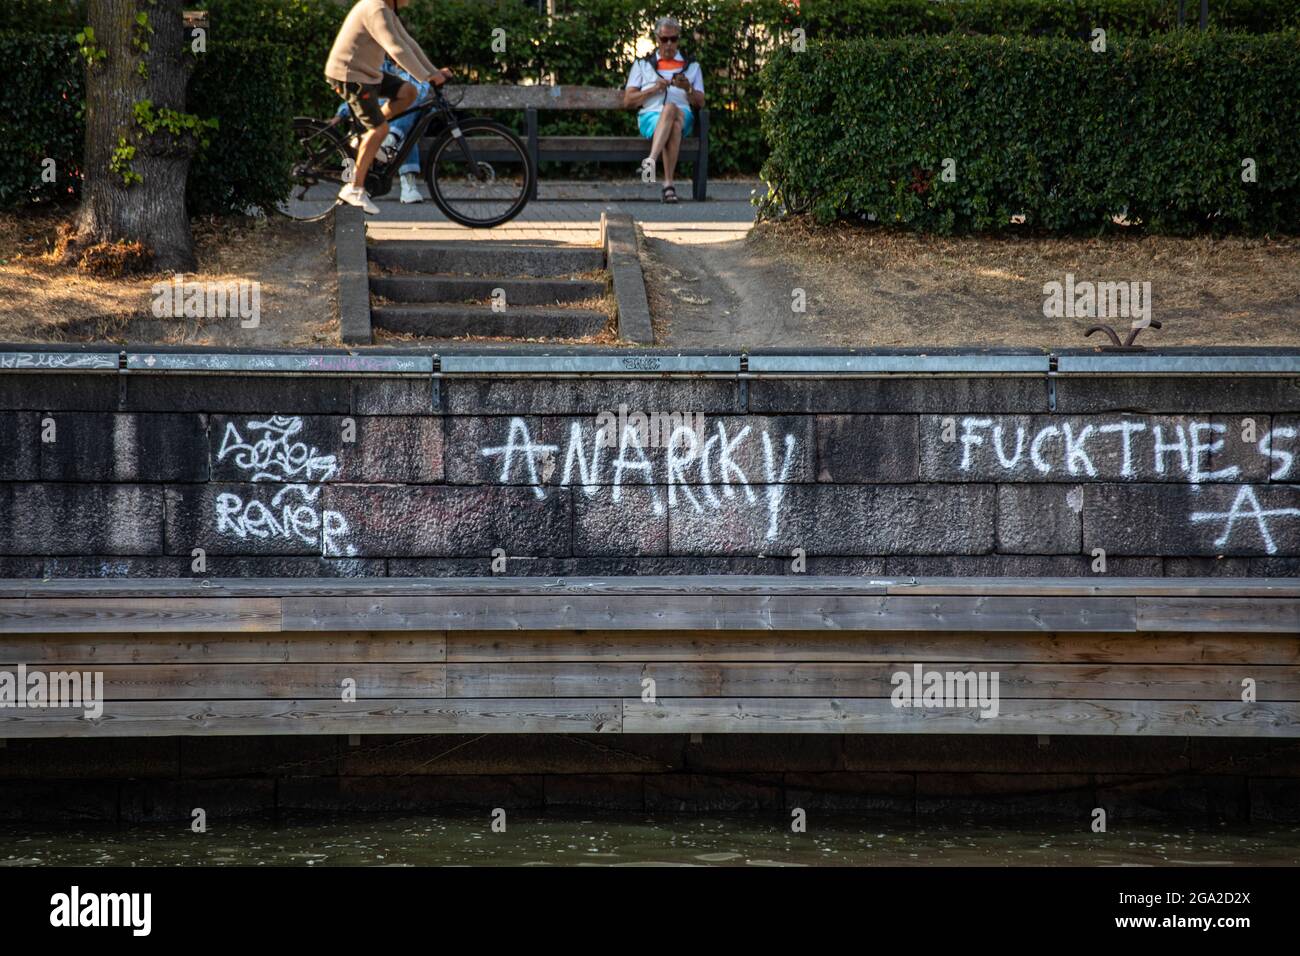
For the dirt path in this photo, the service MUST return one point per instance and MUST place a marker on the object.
(725, 294)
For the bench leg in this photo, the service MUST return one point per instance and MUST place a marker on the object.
(700, 186)
(534, 149)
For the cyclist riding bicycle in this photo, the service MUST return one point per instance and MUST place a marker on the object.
(370, 30)
(398, 130)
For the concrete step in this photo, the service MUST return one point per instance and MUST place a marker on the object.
(447, 321)
(486, 258)
(531, 291)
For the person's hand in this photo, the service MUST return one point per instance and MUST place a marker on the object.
(681, 82)
(441, 77)
(660, 85)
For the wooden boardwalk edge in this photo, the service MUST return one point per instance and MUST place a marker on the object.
(964, 612)
(666, 716)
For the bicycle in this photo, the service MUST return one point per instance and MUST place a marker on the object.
(477, 170)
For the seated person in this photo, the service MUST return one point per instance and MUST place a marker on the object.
(398, 130)
(666, 86)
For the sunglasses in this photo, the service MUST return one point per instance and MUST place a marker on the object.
(672, 39)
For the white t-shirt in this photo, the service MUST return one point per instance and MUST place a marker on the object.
(644, 76)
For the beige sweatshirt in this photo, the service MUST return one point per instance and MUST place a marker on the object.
(370, 30)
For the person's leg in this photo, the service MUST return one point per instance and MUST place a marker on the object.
(667, 119)
(364, 103)
(374, 117)
(366, 152)
(402, 127)
(401, 101)
(672, 145)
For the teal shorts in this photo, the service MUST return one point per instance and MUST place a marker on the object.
(648, 121)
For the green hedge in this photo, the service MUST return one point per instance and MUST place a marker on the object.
(295, 21)
(586, 44)
(242, 84)
(1042, 128)
(826, 19)
(37, 122)
(247, 159)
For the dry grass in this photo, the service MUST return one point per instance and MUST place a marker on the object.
(887, 287)
(43, 300)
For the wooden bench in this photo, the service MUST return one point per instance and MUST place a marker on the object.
(532, 99)
(728, 654)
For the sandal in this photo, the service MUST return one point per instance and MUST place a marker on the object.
(670, 194)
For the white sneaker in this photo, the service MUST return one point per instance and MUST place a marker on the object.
(410, 191)
(356, 196)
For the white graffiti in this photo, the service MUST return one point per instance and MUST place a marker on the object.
(701, 472)
(1171, 448)
(58, 360)
(1151, 449)
(1246, 506)
(295, 510)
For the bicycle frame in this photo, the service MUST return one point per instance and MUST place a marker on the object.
(434, 108)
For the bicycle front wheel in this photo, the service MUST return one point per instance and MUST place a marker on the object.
(481, 177)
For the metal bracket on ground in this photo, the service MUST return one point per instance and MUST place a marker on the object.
(623, 260)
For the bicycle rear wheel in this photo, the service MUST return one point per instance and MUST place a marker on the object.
(482, 177)
(322, 163)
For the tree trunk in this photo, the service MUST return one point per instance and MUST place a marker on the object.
(150, 210)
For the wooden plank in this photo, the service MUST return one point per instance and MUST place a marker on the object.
(878, 716)
(151, 718)
(909, 646)
(650, 584)
(450, 587)
(509, 97)
(190, 681)
(237, 647)
(581, 145)
(95, 615)
(1219, 614)
(839, 679)
(1082, 587)
(526, 679)
(716, 612)
(668, 715)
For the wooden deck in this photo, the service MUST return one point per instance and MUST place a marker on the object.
(1146, 656)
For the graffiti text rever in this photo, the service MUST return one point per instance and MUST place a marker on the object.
(295, 511)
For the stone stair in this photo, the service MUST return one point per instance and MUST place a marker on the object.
(448, 289)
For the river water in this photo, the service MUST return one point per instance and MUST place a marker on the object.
(625, 839)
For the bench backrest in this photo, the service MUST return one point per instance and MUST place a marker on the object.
(503, 97)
